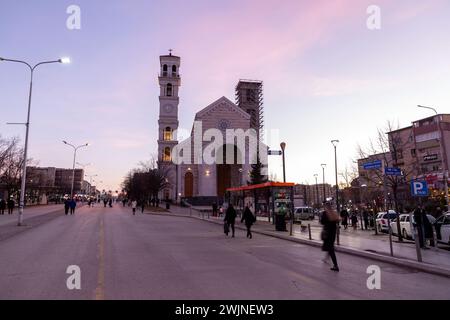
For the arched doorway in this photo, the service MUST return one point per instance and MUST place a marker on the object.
(188, 185)
(227, 174)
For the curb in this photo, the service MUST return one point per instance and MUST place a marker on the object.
(419, 266)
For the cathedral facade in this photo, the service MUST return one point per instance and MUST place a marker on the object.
(223, 144)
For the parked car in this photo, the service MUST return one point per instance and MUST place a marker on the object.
(303, 213)
(382, 220)
(443, 228)
(405, 225)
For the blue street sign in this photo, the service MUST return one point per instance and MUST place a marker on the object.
(373, 165)
(393, 171)
(419, 189)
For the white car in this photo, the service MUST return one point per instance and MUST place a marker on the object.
(303, 213)
(405, 225)
(443, 228)
(382, 220)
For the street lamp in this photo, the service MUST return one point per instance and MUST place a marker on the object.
(335, 143)
(443, 154)
(283, 147)
(317, 189)
(75, 149)
(27, 126)
(323, 165)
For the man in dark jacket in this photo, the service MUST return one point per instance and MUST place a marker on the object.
(2, 206)
(366, 219)
(329, 221)
(418, 216)
(344, 217)
(230, 218)
(66, 206)
(73, 205)
(249, 219)
(11, 205)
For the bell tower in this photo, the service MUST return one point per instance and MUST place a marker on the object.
(169, 83)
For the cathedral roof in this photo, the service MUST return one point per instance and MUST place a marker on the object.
(220, 102)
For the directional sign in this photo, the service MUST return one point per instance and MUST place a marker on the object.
(275, 153)
(419, 189)
(373, 165)
(393, 171)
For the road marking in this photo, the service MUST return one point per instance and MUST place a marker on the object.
(100, 290)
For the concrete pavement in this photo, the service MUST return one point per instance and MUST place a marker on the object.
(122, 256)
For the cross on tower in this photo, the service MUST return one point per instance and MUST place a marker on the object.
(170, 51)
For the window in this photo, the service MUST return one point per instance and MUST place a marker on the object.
(165, 70)
(174, 71)
(169, 90)
(167, 155)
(167, 134)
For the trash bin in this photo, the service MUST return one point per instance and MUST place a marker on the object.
(280, 222)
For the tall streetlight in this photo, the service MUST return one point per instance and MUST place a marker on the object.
(443, 154)
(27, 126)
(335, 143)
(317, 189)
(323, 165)
(283, 147)
(75, 149)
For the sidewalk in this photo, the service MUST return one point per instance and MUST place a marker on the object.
(32, 211)
(360, 242)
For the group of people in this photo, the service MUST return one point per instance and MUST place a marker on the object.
(352, 217)
(70, 205)
(247, 218)
(9, 204)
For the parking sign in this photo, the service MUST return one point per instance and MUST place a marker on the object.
(419, 189)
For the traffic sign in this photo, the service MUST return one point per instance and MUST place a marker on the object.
(275, 153)
(393, 171)
(373, 165)
(419, 189)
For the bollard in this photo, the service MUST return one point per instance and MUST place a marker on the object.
(309, 231)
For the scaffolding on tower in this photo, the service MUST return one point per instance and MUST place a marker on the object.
(249, 97)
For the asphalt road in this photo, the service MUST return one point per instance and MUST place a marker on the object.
(122, 256)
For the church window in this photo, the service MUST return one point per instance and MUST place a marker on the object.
(167, 155)
(169, 90)
(165, 70)
(168, 134)
(174, 71)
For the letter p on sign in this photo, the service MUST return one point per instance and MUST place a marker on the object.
(419, 189)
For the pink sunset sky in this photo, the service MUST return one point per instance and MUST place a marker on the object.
(326, 75)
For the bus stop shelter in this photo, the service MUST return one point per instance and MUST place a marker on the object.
(274, 200)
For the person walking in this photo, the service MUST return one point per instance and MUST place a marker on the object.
(110, 202)
(249, 220)
(344, 218)
(11, 204)
(142, 206)
(72, 205)
(214, 209)
(66, 206)
(366, 219)
(230, 219)
(354, 220)
(134, 206)
(418, 215)
(329, 220)
(2, 206)
(428, 230)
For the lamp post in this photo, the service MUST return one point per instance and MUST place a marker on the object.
(335, 143)
(323, 165)
(283, 147)
(443, 154)
(75, 149)
(317, 189)
(27, 126)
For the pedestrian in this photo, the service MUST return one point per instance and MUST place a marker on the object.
(124, 201)
(249, 220)
(10, 204)
(329, 220)
(73, 205)
(2, 206)
(142, 206)
(366, 219)
(110, 202)
(428, 230)
(354, 220)
(105, 202)
(418, 222)
(134, 206)
(89, 202)
(230, 219)
(66, 206)
(214, 209)
(344, 218)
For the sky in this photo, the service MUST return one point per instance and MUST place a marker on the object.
(326, 74)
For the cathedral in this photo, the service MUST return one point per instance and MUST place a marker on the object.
(195, 178)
